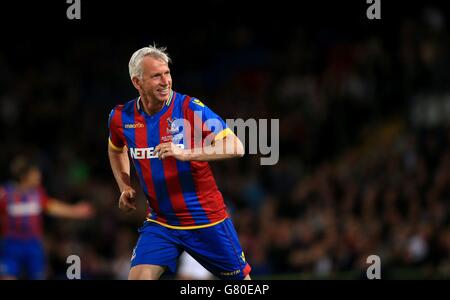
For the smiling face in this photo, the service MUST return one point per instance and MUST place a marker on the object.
(156, 81)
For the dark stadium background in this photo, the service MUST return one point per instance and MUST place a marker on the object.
(364, 109)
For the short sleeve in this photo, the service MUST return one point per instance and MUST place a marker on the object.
(211, 122)
(116, 140)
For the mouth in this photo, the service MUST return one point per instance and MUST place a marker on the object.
(164, 91)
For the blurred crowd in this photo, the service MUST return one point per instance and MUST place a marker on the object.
(388, 198)
(356, 176)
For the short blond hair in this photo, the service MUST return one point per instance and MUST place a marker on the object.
(134, 66)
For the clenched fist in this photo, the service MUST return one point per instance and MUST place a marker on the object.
(127, 203)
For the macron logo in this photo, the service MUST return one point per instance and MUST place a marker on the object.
(137, 125)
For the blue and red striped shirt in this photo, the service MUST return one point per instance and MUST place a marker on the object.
(21, 212)
(179, 193)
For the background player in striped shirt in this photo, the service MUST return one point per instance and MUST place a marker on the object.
(170, 138)
(22, 203)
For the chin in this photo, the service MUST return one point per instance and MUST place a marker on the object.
(157, 97)
(163, 98)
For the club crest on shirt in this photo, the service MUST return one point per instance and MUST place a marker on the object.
(173, 129)
(172, 126)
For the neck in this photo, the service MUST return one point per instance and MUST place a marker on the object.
(151, 106)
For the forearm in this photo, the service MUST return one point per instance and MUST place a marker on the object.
(228, 147)
(120, 165)
(60, 209)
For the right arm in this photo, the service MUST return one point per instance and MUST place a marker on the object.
(120, 165)
(118, 158)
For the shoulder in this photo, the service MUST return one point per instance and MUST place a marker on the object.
(42, 191)
(125, 107)
(189, 102)
(119, 109)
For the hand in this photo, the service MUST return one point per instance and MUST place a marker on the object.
(165, 150)
(84, 210)
(127, 203)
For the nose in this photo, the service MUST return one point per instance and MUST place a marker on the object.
(165, 80)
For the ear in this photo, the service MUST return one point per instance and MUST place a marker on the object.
(136, 83)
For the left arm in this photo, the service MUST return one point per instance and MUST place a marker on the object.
(227, 147)
(57, 208)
